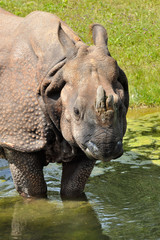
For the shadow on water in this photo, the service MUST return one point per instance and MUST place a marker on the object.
(123, 195)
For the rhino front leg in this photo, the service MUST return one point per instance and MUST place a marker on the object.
(27, 173)
(74, 177)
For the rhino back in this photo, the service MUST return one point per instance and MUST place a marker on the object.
(8, 24)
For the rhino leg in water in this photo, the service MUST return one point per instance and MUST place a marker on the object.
(27, 173)
(74, 177)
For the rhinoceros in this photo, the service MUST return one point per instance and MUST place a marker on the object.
(60, 101)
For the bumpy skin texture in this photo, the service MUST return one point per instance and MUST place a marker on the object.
(28, 177)
(60, 101)
(75, 175)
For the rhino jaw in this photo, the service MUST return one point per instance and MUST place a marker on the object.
(93, 152)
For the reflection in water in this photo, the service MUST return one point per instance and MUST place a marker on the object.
(53, 220)
(123, 195)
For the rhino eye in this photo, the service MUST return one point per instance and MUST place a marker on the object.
(76, 112)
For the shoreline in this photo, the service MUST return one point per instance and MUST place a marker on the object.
(135, 112)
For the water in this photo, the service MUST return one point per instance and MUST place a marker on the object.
(123, 195)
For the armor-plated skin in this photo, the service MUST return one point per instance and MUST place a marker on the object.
(60, 101)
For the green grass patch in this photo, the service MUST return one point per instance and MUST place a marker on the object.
(134, 35)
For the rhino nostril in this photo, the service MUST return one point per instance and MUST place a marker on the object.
(92, 147)
(119, 145)
(118, 150)
(91, 150)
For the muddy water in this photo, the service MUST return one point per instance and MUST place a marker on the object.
(123, 195)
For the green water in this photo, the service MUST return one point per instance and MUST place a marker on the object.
(123, 195)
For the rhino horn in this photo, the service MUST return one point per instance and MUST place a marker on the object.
(104, 102)
(100, 37)
(110, 103)
(101, 99)
(105, 105)
(67, 44)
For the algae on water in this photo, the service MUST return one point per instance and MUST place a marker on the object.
(143, 136)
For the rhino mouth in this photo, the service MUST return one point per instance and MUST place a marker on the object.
(93, 152)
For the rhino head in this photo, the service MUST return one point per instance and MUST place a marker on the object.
(94, 99)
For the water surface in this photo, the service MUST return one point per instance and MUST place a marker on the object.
(123, 195)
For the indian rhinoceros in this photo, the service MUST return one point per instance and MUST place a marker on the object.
(60, 101)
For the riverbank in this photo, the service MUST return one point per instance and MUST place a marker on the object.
(136, 112)
(133, 28)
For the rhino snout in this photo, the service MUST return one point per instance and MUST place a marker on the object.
(92, 151)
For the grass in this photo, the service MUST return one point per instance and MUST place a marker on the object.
(134, 35)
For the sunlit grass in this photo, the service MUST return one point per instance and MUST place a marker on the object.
(134, 35)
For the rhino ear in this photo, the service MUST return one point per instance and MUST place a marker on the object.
(50, 91)
(100, 37)
(67, 44)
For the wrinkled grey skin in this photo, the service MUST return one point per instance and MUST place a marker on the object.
(60, 101)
